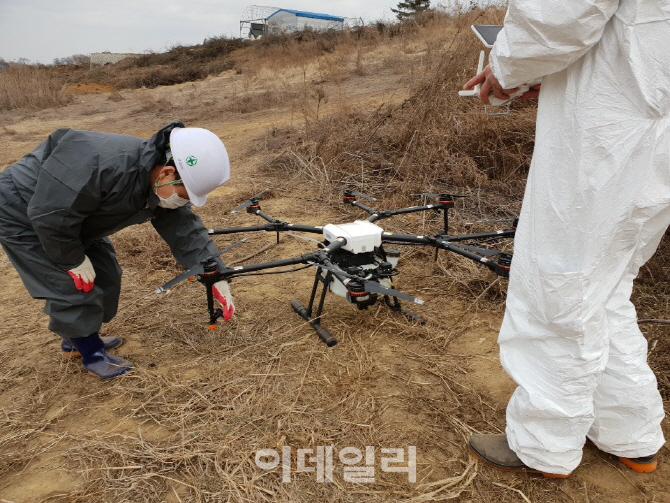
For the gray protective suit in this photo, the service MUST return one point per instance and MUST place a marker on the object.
(597, 203)
(60, 202)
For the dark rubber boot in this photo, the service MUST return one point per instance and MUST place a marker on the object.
(494, 450)
(96, 360)
(69, 351)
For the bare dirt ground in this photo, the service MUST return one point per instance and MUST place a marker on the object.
(186, 423)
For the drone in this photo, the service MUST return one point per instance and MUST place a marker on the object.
(353, 260)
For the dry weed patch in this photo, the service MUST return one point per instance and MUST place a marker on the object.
(31, 87)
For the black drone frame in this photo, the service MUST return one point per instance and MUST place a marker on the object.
(362, 288)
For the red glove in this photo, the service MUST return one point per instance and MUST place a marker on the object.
(221, 292)
(83, 275)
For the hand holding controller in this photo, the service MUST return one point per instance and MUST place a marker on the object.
(521, 90)
(485, 85)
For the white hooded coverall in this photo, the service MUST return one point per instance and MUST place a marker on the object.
(596, 206)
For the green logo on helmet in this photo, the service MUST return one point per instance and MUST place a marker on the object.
(191, 160)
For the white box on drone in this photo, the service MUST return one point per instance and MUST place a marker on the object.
(362, 236)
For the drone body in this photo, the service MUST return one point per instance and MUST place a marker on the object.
(362, 255)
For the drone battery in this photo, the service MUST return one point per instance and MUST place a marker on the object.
(362, 236)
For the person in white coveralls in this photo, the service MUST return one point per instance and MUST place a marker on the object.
(596, 206)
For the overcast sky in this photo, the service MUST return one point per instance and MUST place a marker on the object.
(41, 30)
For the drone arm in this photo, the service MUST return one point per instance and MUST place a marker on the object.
(367, 209)
(480, 255)
(305, 228)
(239, 270)
(323, 257)
(307, 258)
(336, 244)
(234, 230)
(266, 216)
(413, 209)
(271, 227)
(407, 238)
(501, 267)
(379, 215)
(507, 233)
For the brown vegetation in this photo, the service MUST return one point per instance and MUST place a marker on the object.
(31, 87)
(375, 109)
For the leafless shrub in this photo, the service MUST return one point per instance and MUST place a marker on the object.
(31, 87)
(431, 140)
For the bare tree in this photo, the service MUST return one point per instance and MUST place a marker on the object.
(76, 59)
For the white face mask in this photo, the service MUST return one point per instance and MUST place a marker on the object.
(173, 202)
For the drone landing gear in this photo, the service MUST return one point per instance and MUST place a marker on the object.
(306, 312)
(324, 334)
(363, 301)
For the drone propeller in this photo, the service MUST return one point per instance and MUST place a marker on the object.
(350, 192)
(249, 201)
(374, 287)
(370, 286)
(442, 194)
(303, 237)
(197, 269)
(483, 222)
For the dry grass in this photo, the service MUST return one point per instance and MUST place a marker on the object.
(431, 142)
(189, 433)
(186, 424)
(31, 87)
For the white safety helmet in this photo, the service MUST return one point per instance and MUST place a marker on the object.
(201, 160)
